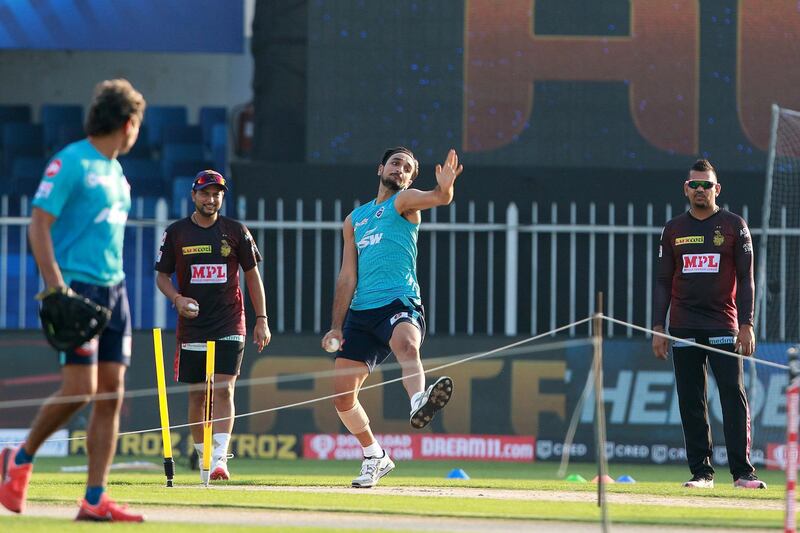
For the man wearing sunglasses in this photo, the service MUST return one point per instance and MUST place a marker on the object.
(205, 250)
(705, 279)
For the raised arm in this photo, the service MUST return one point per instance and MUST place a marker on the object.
(442, 194)
(345, 284)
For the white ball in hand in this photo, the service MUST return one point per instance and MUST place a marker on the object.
(332, 345)
(192, 306)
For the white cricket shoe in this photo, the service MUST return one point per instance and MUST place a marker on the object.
(700, 482)
(219, 467)
(372, 469)
(434, 399)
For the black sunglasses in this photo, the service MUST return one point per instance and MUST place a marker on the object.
(705, 184)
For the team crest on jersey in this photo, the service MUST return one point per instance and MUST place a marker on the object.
(225, 249)
(379, 212)
(53, 168)
(719, 239)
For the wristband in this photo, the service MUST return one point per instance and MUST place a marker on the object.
(261, 316)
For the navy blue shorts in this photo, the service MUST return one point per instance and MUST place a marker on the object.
(113, 345)
(367, 332)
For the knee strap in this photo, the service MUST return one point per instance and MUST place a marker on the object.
(355, 420)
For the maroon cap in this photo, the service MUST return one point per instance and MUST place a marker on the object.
(208, 177)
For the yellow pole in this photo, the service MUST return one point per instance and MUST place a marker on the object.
(209, 411)
(169, 464)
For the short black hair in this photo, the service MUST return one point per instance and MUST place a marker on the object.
(401, 150)
(114, 103)
(703, 165)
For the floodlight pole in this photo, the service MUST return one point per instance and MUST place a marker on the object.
(600, 412)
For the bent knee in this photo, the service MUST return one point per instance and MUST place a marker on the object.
(344, 402)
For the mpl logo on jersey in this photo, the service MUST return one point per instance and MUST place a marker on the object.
(202, 274)
(697, 263)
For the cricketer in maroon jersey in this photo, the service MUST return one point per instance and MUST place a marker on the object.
(205, 251)
(705, 279)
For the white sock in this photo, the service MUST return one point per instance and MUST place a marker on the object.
(373, 450)
(221, 441)
(415, 399)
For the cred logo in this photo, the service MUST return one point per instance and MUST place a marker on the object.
(209, 273)
(693, 263)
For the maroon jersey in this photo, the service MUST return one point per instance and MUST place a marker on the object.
(705, 271)
(206, 262)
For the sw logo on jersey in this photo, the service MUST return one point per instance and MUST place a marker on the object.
(696, 263)
(202, 274)
(369, 240)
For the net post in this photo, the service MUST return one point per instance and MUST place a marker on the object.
(600, 412)
(792, 404)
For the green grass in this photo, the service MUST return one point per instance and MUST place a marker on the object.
(147, 489)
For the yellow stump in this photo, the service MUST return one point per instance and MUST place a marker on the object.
(169, 464)
(209, 411)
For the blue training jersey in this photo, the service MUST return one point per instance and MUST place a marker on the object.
(387, 255)
(90, 198)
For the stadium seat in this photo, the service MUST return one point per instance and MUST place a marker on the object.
(181, 193)
(219, 146)
(210, 117)
(182, 134)
(68, 133)
(20, 140)
(26, 173)
(144, 175)
(54, 116)
(173, 153)
(156, 117)
(185, 168)
(142, 147)
(15, 113)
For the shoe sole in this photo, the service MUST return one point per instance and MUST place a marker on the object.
(441, 392)
(381, 473)
(219, 474)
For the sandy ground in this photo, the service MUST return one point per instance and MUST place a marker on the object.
(352, 521)
(366, 522)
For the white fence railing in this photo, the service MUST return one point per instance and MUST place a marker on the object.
(524, 272)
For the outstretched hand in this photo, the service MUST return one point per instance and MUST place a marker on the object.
(447, 172)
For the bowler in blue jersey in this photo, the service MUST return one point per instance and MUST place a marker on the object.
(76, 236)
(377, 308)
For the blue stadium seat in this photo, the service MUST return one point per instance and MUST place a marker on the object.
(156, 117)
(54, 116)
(68, 133)
(20, 140)
(181, 190)
(26, 173)
(142, 146)
(15, 113)
(209, 117)
(144, 175)
(185, 168)
(173, 153)
(219, 146)
(182, 134)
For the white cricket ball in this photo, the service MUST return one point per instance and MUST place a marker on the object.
(192, 306)
(332, 345)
